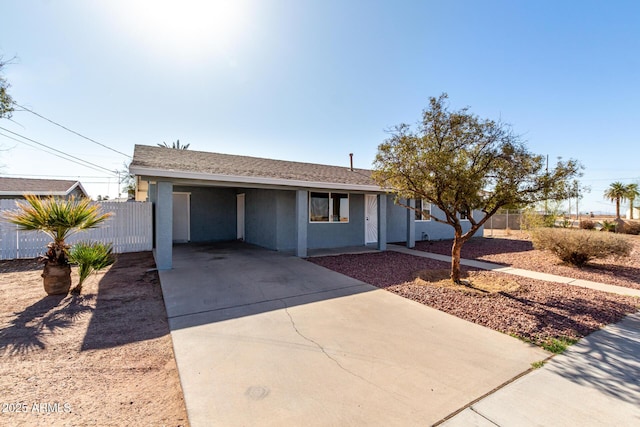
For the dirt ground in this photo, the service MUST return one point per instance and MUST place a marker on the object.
(103, 358)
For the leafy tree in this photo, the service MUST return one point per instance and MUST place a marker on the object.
(461, 164)
(175, 145)
(617, 192)
(632, 193)
(6, 102)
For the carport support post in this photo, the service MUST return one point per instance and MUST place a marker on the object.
(302, 208)
(411, 224)
(382, 222)
(164, 225)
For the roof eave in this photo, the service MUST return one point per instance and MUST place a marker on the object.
(251, 180)
(77, 184)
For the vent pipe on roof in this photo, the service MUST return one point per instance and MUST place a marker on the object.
(351, 161)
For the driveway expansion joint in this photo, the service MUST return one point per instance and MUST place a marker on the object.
(483, 416)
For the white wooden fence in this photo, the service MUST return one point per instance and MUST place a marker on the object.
(129, 230)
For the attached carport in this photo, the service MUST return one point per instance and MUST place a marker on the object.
(284, 227)
(275, 196)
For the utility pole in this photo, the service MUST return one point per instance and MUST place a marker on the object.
(546, 195)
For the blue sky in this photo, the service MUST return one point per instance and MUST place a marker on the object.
(315, 80)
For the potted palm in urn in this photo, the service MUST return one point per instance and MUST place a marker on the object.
(58, 218)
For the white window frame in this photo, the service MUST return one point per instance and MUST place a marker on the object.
(330, 216)
(422, 216)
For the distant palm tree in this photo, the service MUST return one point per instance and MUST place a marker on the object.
(617, 192)
(175, 145)
(632, 193)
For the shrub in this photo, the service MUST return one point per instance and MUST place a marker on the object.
(587, 224)
(578, 247)
(630, 227)
(609, 226)
(90, 257)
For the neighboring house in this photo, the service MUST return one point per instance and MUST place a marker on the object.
(16, 188)
(276, 204)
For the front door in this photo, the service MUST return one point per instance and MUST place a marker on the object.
(240, 216)
(370, 218)
(181, 224)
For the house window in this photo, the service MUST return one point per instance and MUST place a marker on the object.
(464, 216)
(423, 211)
(328, 207)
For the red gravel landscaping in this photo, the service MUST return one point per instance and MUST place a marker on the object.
(519, 253)
(536, 311)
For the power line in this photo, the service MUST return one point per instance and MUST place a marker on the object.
(71, 130)
(54, 176)
(48, 152)
(78, 160)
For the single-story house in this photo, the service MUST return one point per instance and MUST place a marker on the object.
(280, 205)
(16, 188)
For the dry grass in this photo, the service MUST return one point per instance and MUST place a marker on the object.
(474, 282)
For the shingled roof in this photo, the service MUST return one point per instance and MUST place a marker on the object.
(39, 187)
(189, 164)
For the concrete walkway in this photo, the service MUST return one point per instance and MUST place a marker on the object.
(596, 382)
(621, 290)
(266, 339)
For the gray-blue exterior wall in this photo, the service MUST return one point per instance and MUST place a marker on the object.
(424, 230)
(340, 234)
(213, 213)
(270, 218)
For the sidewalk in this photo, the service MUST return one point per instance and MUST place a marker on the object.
(621, 290)
(593, 383)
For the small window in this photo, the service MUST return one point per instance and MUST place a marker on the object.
(319, 207)
(423, 211)
(464, 216)
(340, 207)
(328, 207)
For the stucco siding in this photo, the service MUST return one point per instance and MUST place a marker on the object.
(212, 213)
(424, 230)
(286, 220)
(396, 221)
(260, 217)
(335, 235)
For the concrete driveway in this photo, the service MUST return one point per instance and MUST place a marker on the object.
(262, 338)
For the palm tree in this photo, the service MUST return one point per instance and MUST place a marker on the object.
(617, 192)
(59, 219)
(632, 193)
(175, 145)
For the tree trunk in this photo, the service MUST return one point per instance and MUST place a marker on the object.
(56, 278)
(455, 258)
(617, 208)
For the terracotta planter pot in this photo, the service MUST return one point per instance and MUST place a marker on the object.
(57, 279)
